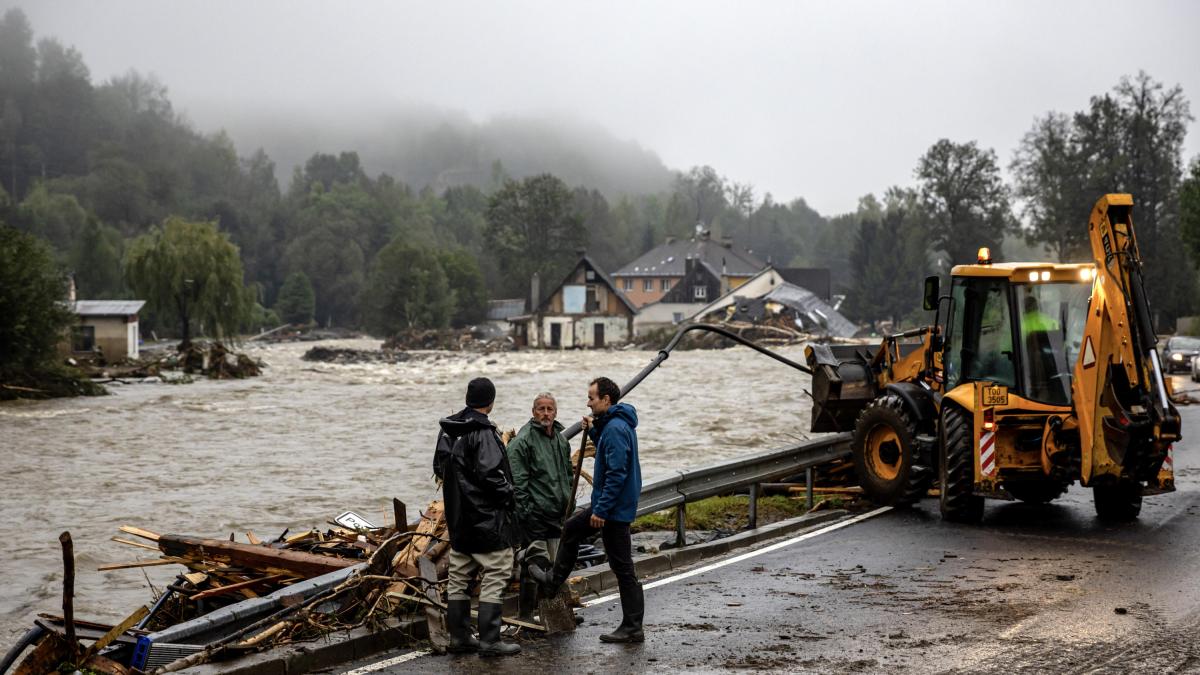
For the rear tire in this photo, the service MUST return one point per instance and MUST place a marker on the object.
(885, 453)
(1119, 502)
(958, 501)
(1036, 491)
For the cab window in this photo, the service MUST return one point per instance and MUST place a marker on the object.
(980, 340)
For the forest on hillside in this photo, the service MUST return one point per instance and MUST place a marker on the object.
(417, 219)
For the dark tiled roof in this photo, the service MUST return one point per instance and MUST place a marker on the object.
(667, 260)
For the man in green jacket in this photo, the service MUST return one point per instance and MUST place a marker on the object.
(541, 468)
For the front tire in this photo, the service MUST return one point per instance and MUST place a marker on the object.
(1118, 502)
(885, 453)
(958, 500)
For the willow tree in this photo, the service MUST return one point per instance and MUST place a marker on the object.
(189, 272)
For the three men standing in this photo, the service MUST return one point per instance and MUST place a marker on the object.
(481, 520)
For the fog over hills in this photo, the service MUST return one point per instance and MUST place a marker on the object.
(436, 147)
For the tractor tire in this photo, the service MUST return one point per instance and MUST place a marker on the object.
(1119, 502)
(958, 500)
(1036, 491)
(885, 453)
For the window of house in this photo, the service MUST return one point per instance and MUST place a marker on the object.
(666, 285)
(629, 284)
(590, 275)
(648, 285)
(83, 338)
(700, 292)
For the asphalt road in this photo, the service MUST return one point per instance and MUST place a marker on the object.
(1033, 589)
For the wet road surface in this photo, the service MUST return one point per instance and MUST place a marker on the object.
(1033, 589)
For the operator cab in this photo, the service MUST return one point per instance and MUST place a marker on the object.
(1019, 325)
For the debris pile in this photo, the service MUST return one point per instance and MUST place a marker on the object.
(236, 597)
(345, 356)
(450, 339)
(210, 359)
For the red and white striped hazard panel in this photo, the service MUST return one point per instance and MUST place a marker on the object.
(987, 454)
(1169, 462)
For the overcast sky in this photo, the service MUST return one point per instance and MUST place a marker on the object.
(825, 101)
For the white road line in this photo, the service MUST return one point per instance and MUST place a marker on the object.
(746, 556)
(387, 663)
(661, 582)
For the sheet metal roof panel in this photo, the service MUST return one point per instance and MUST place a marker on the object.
(108, 307)
(815, 309)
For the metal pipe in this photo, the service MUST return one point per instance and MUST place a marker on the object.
(665, 352)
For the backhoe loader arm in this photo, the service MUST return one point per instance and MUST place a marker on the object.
(1126, 421)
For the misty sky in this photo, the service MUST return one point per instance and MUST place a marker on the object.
(825, 101)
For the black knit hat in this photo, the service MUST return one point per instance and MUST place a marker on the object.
(480, 393)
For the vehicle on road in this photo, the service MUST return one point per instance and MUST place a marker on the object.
(1036, 376)
(1178, 353)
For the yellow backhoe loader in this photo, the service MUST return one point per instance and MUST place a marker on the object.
(1032, 376)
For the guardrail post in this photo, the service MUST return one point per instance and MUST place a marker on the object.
(753, 505)
(681, 525)
(808, 488)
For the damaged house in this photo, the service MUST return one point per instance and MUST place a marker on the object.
(585, 311)
(770, 297)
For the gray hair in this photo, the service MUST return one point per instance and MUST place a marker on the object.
(545, 394)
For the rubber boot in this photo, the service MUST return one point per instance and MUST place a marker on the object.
(458, 623)
(633, 608)
(489, 632)
(527, 601)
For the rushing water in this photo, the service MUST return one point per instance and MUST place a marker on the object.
(295, 447)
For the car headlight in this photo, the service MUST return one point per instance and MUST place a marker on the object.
(1177, 356)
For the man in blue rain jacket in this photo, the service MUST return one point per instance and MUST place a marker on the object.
(616, 485)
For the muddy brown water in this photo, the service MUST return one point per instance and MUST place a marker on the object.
(305, 441)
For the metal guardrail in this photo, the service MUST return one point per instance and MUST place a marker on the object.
(690, 486)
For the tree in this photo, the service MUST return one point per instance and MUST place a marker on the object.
(58, 218)
(190, 272)
(1128, 140)
(532, 227)
(297, 303)
(1051, 173)
(407, 288)
(965, 199)
(889, 258)
(1189, 210)
(96, 260)
(465, 281)
(33, 317)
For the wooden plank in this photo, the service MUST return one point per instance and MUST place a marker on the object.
(138, 544)
(251, 557)
(435, 619)
(116, 631)
(139, 532)
(141, 563)
(223, 590)
(253, 539)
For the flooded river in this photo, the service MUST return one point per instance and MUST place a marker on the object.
(305, 441)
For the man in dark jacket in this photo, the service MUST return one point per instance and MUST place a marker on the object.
(616, 486)
(541, 465)
(477, 485)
